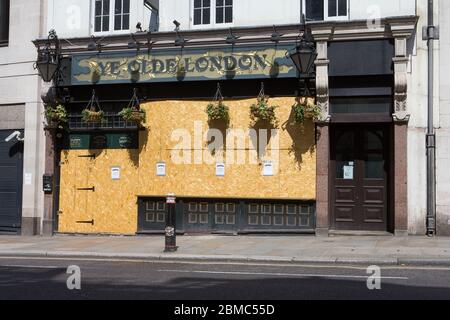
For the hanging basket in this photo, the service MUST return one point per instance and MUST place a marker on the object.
(306, 108)
(262, 111)
(133, 112)
(92, 116)
(217, 110)
(56, 116)
(92, 113)
(132, 115)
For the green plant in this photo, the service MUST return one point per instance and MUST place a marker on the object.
(89, 115)
(133, 114)
(56, 115)
(262, 110)
(306, 108)
(218, 111)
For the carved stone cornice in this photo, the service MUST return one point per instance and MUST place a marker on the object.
(320, 30)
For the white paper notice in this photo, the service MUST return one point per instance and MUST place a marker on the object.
(28, 177)
(348, 172)
(220, 169)
(115, 173)
(267, 168)
(161, 169)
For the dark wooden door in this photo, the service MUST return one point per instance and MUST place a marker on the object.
(359, 177)
(11, 175)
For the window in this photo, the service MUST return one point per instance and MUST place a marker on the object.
(122, 15)
(354, 105)
(111, 15)
(4, 22)
(204, 13)
(224, 11)
(318, 10)
(336, 8)
(101, 15)
(314, 10)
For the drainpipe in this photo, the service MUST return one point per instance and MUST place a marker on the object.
(431, 33)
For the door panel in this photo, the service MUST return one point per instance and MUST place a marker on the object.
(11, 175)
(74, 208)
(359, 177)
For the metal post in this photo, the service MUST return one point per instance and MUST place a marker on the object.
(170, 231)
(431, 35)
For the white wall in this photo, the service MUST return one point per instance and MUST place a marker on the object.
(20, 90)
(417, 106)
(443, 132)
(73, 18)
(170, 10)
(365, 9)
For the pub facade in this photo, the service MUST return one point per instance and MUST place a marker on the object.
(224, 119)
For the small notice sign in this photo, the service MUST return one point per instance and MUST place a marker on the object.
(267, 168)
(348, 172)
(115, 173)
(220, 169)
(161, 169)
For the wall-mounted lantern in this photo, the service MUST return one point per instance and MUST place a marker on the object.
(303, 57)
(49, 57)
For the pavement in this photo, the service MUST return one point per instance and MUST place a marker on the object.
(338, 250)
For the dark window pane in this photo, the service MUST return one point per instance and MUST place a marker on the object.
(314, 10)
(197, 3)
(105, 7)
(342, 5)
(374, 166)
(360, 105)
(105, 24)
(117, 22)
(206, 16)
(118, 7)
(219, 3)
(206, 3)
(126, 6)
(4, 21)
(98, 7)
(332, 8)
(197, 16)
(345, 155)
(373, 140)
(228, 14)
(229, 2)
(219, 15)
(98, 24)
(126, 22)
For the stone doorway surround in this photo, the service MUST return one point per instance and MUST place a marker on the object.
(400, 29)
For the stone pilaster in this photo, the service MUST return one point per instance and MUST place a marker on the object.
(322, 36)
(401, 118)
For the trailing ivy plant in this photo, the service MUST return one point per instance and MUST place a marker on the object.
(92, 112)
(90, 116)
(262, 110)
(56, 116)
(133, 114)
(218, 111)
(306, 108)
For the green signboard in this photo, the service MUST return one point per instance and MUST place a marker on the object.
(218, 63)
(80, 141)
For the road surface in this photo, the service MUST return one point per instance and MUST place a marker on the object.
(27, 278)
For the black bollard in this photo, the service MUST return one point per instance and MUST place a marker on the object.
(170, 231)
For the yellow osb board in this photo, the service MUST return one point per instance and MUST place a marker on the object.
(113, 205)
